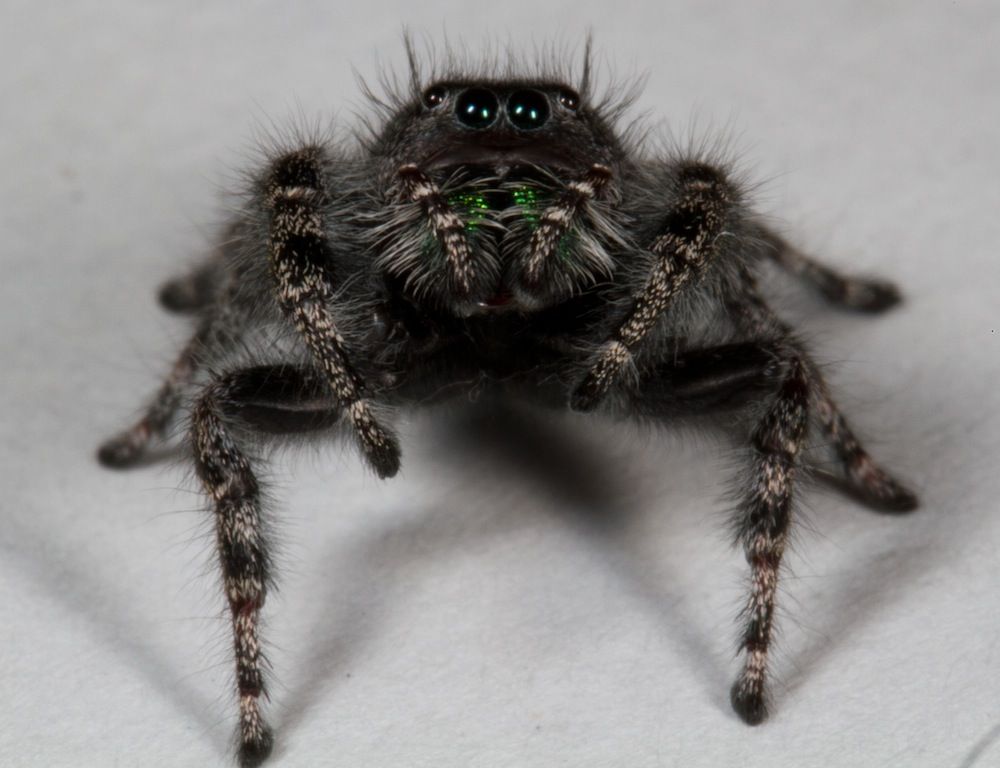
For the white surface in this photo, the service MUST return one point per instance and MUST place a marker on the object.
(470, 613)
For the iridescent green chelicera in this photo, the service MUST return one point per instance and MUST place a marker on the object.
(471, 206)
(526, 198)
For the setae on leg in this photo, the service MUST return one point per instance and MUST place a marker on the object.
(270, 400)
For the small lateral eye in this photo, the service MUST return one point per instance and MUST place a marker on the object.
(435, 96)
(569, 99)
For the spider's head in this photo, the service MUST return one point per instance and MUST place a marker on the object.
(500, 194)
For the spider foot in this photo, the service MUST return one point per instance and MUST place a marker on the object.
(749, 700)
(124, 450)
(879, 487)
(181, 295)
(585, 397)
(613, 358)
(871, 296)
(384, 456)
(379, 445)
(254, 751)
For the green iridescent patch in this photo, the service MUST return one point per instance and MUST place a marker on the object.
(527, 199)
(471, 206)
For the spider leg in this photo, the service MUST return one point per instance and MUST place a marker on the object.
(864, 295)
(556, 220)
(196, 290)
(448, 228)
(706, 381)
(862, 472)
(126, 448)
(224, 323)
(741, 375)
(193, 291)
(299, 252)
(271, 399)
(765, 515)
(682, 252)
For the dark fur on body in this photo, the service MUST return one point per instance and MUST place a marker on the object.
(565, 265)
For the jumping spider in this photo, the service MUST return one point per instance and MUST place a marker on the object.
(502, 233)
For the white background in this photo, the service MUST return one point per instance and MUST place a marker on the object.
(473, 612)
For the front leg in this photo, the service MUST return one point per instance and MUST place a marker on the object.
(231, 411)
(300, 264)
(743, 375)
(682, 251)
(764, 518)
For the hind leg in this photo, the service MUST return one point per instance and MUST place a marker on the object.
(863, 295)
(225, 323)
(128, 447)
(754, 377)
(193, 291)
(198, 288)
(864, 475)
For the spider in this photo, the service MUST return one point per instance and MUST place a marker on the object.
(496, 230)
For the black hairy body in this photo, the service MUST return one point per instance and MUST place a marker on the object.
(501, 234)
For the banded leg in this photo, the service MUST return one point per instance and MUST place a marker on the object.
(682, 251)
(300, 264)
(127, 448)
(864, 295)
(448, 228)
(765, 515)
(555, 222)
(276, 399)
(861, 471)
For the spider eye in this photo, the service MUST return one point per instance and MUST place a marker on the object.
(569, 99)
(528, 110)
(477, 108)
(435, 96)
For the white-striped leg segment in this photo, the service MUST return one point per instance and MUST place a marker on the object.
(555, 221)
(765, 515)
(682, 252)
(299, 262)
(227, 477)
(447, 226)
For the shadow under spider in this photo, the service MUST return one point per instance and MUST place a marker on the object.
(531, 448)
(527, 448)
(113, 620)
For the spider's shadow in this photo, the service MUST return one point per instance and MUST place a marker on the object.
(111, 615)
(596, 496)
(525, 448)
(594, 493)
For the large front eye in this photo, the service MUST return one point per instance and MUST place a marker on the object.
(476, 108)
(528, 110)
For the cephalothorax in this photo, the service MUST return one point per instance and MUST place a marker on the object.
(503, 233)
